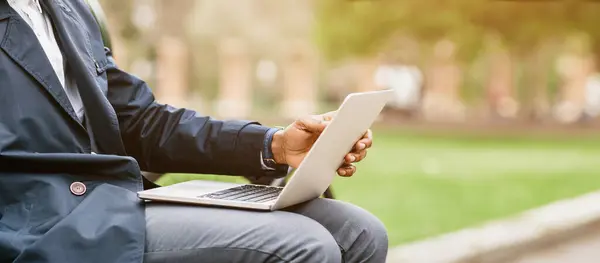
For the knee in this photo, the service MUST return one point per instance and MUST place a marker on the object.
(316, 245)
(370, 242)
(374, 235)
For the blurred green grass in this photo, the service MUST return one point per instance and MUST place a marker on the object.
(422, 185)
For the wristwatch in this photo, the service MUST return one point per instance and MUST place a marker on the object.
(268, 159)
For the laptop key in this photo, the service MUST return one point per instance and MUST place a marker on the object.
(265, 198)
(242, 195)
(228, 192)
(246, 193)
(253, 198)
(239, 196)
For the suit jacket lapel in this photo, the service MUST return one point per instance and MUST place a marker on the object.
(75, 43)
(21, 44)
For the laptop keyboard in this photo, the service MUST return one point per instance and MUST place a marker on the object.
(247, 193)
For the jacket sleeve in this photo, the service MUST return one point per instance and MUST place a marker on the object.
(168, 139)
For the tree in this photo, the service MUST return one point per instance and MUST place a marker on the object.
(524, 28)
(349, 28)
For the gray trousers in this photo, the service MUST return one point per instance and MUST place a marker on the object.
(320, 231)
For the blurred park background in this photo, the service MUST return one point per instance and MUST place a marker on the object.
(496, 105)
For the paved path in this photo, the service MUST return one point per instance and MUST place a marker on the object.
(581, 249)
(569, 230)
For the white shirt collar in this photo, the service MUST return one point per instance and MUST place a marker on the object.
(24, 3)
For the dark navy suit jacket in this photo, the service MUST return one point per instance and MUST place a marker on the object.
(44, 148)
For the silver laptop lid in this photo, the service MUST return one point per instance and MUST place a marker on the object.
(356, 114)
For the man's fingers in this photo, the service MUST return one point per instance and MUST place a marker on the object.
(368, 138)
(359, 153)
(329, 116)
(362, 145)
(368, 134)
(347, 170)
(312, 124)
(355, 157)
(316, 123)
(365, 142)
(361, 156)
(350, 158)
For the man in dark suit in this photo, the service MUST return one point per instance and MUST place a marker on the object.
(75, 130)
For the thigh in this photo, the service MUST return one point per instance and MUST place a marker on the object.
(360, 235)
(179, 233)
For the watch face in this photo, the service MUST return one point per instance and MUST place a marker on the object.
(270, 162)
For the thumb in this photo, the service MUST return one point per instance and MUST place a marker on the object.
(312, 125)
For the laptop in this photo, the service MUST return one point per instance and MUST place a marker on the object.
(309, 181)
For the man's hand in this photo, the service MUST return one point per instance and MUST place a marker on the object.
(291, 145)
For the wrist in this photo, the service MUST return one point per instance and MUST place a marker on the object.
(277, 147)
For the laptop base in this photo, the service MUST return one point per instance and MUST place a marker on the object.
(198, 192)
